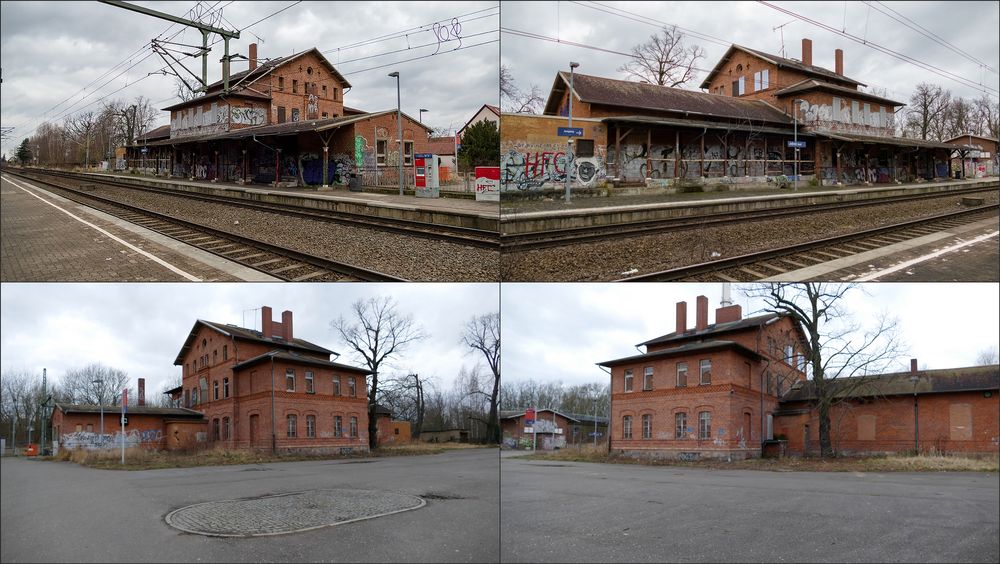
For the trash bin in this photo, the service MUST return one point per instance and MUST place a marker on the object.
(32, 450)
(354, 182)
(958, 174)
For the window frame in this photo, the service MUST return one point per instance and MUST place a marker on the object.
(354, 426)
(352, 387)
(290, 374)
(682, 368)
(336, 385)
(702, 371)
(310, 426)
(680, 425)
(629, 385)
(704, 425)
(407, 153)
(338, 426)
(647, 378)
(626, 427)
(381, 150)
(647, 425)
(291, 426)
(310, 382)
(225, 387)
(215, 390)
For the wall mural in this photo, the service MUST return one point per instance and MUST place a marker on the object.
(247, 116)
(537, 166)
(849, 116)
(96, 441)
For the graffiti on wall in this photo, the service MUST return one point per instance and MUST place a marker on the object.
(849, 116)
(248, 116)
(540, 166)
(96, 441)
(195, 121)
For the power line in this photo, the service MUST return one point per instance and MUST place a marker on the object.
(403, 33)
(463, 47)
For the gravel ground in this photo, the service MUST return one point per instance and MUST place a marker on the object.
(609, 260)
(410, 257)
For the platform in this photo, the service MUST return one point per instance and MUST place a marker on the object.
(597, 212)
(457, 212)
(47, 238)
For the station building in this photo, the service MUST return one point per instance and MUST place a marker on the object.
(736, 387)
(977, 156)
(281, 122)
(269, 389)
(734, 134)
(551, 429)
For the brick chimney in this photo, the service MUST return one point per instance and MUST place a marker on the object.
(913, 366)
(807, 51)
(265, 322)
(142, 392)
(682, 317)
(701, 319)
(286, 324)
(253, 56)
(838, 61)
(728, 314)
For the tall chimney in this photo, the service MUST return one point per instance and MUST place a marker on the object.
(142, 392)
(286, 324)
(265, 321)
(253, 56)
(728, 314)
(807, 51)
(701, 319)
(838, 61)
(682, 317)
(913, 366)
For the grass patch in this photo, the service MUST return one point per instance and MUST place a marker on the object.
(892, 463)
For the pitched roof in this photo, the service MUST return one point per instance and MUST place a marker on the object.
(230, 330)
(813, 84)
(271, 64)
(878, 140)
(493, 109)
(965, 137)
(700, 346)
(575, 417)
(132, 410)
(638, 95)
(288, 356)
(241, 93)
(779, 62)
(161, 132)
(969, 379)
(714, 329)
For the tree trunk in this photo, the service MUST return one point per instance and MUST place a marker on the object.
(825, 447)
(372, 423)
(493, 423)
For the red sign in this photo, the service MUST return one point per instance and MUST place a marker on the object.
(529, 416)
(488, 183)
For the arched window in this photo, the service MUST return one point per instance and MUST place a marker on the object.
(627, 427)
(311, 426)
(215, 389)
(226, 429)
(292, 420)
(215, 429)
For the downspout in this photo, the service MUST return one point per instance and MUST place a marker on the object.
(273, 436)
(610, 394)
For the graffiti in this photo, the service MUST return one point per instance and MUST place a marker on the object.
(290, 167)
(96, 441)
(740, 439)
(248, 116)
(849, 116)
(344, 165)
(381, 133)
(359, 151)
(689, 456)
(447, 32)
(312, 106)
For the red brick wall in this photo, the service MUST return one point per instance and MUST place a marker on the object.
(332, 103)
(514, 428)
(146, 431)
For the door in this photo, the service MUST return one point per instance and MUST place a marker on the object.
(254, 422)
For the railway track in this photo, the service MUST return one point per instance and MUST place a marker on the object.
(278, 261)
(578, 235)
(454, 234)
(774, 262)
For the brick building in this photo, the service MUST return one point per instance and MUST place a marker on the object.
(709, 391)
(281, 122)
(268, 389)
(977, 156)
(734, 134)
(554, 429)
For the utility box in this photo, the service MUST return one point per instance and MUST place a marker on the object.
(425, 175)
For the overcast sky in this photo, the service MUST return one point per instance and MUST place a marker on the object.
(141, 327)
(969, 26)
(559, 331)
(52, 50)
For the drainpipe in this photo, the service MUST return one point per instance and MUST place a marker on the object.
(611, 394)
(273, 435)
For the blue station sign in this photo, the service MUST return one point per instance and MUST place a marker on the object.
(570, 132)
(796, 144)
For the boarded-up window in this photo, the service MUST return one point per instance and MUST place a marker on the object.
(960, 419)
(281, 114)
(866, 427)
(584, 148)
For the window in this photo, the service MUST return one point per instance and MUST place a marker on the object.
(324, 91)
(295, 114)
(736, 88)
(289, 380)
(584, 148)
(338, 426)
(215, 357)
(325, 115)
(627, 427)
(215, 429)
(311, 426)
(225, 352)
(309, 383)
(295, 86)
(292, 421)
(395, 431)
(682, 374)
(704, 425)
(789, 354)
(760, 81)
(79, 427)
(742, 85)
(380, 148)
(336, 385)
(647, 426)
(647, 378)
(281, 114)
(90, 427)
(408, 153)
(352, 388)
(226, 429)
(680, 425)
(215, 389)
(281, 83)
(354, 427)
(706, 371)
(309, 71)
(187, 398)
(225, 387)
(194, 396)
(628, 380)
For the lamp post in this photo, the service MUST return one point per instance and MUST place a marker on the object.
(916, 427)
(421, 118)
(569, 142)
(795, 119)
(399, 130)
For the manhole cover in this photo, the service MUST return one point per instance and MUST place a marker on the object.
(288, 513)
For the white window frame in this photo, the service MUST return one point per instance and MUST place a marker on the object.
(628, 380)
(647, 378)
(290, 373)
(310, 426)
(338, 425)
(704, 425)
(702, 371)
(310, 383)
(626, 427)
(680, 424)
(336, 385)
(354, 427)
(352, 387)
(682, 368)
(647, 426)
(292, 422)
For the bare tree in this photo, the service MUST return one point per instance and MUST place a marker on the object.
(841, 357)
(182, 91)
(663, 60)
(987, 116)
(81, 128)
(406, 397)
(482, 333)
(376, 332)
(927, 111)
(988, 356)
(514, 100)
(958, 119)
(162, 399)
(95, 384)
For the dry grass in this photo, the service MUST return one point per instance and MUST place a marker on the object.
(142, 459)
(934, 462)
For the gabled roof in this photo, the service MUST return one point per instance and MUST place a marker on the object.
(290, 356)
(132, 410)
(575, 417)
(701, 346)
(272, 64)
(813, 84)
(878, 140)
(242, 93)
(489, 107)
(246, 335)
(970, 379)
(638, 95)
(714, 329)
(812, 70)
(965, 138)
(161, 132)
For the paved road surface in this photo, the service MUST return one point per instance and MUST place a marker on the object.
(61, 512)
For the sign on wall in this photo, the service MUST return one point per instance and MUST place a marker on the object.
(488, 185)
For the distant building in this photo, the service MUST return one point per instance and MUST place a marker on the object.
(976, 157)
(552, 429)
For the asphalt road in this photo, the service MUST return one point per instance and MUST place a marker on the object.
(61, 512)
(582, 512)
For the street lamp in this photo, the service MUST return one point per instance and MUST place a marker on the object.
(399, 130)
(421, 118)
(795, 118)
(569, 142)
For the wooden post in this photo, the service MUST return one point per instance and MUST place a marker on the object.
(326, 161)
(649, 152)
(702, 169)
(765, 156)
(677, 151)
